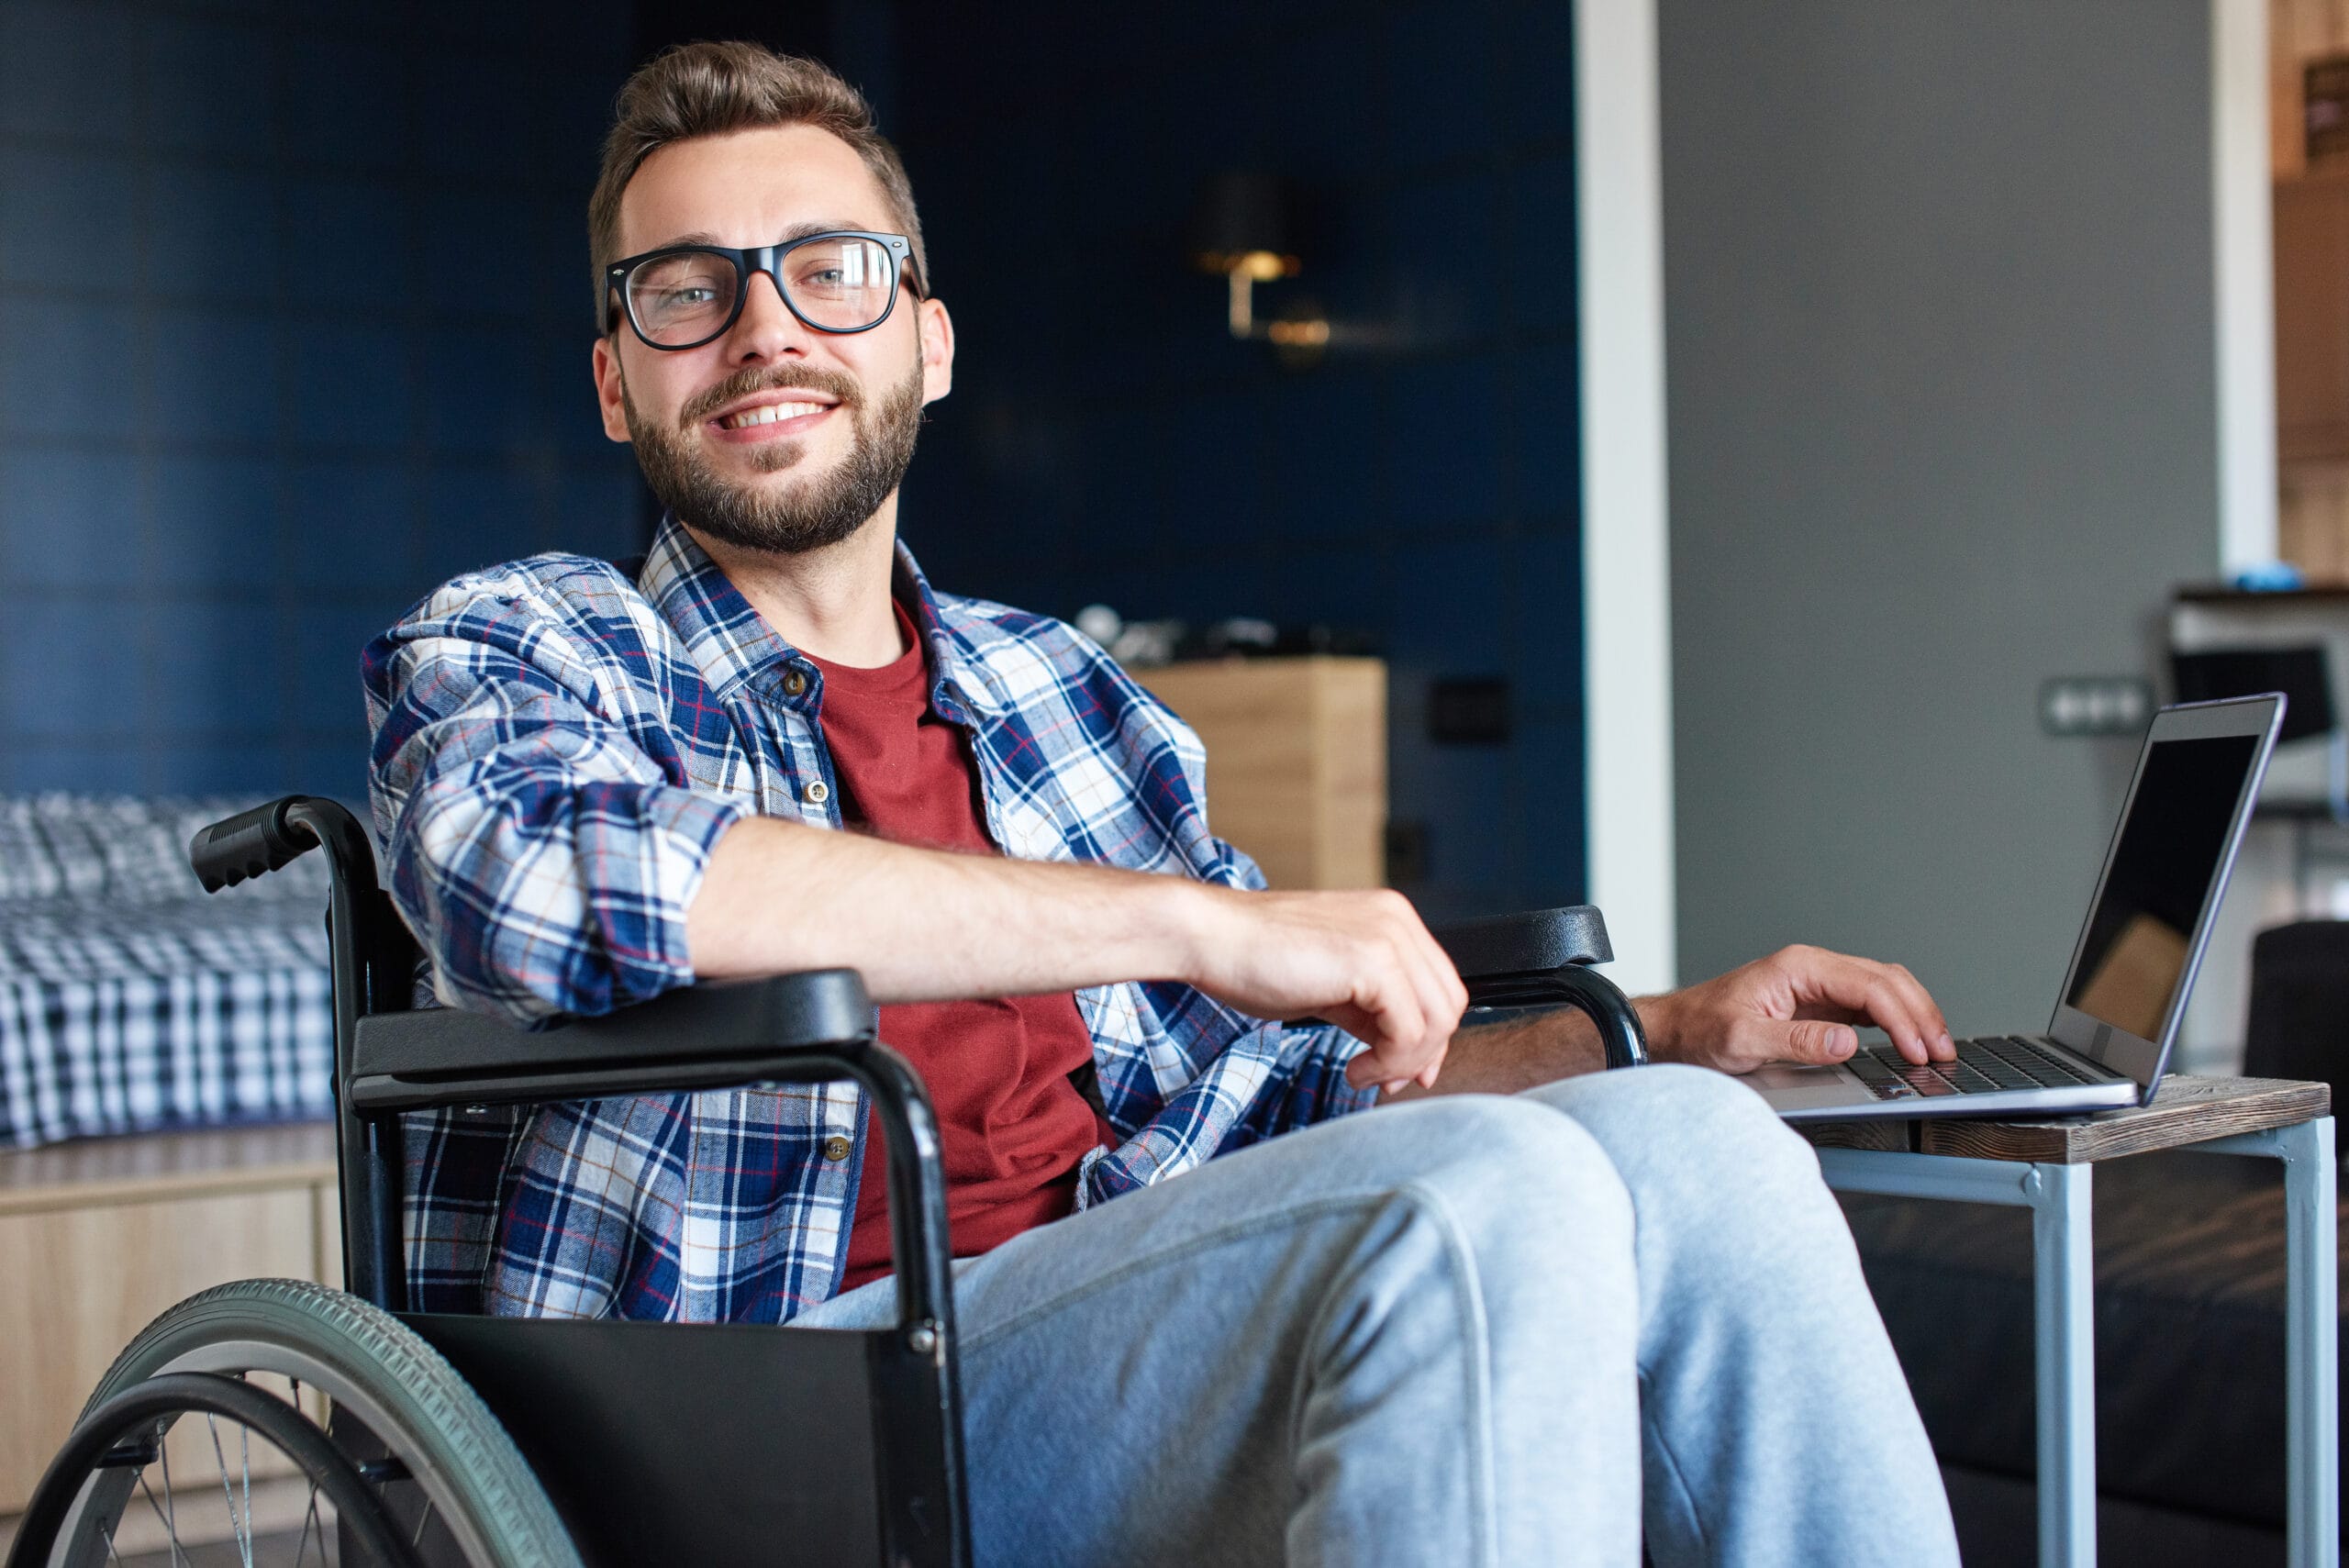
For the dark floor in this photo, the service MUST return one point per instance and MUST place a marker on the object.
(1998, 1526)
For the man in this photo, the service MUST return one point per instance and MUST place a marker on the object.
(1210, 1313)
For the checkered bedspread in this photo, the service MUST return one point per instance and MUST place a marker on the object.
(131, 1001)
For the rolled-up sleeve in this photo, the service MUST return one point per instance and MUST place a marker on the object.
(541, 833)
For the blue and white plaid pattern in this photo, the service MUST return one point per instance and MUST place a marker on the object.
(129, 1001)
(556, 751)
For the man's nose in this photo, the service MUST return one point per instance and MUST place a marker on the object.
(767, 330)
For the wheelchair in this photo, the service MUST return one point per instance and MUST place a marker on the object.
(444, 1438)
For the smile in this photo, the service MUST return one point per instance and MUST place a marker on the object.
(770, 413)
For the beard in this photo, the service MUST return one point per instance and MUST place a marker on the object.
(809, 516)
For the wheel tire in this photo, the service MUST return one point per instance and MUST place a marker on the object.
(379, 1370)
(80, 1487)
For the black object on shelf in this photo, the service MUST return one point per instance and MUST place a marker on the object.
(1470, 711)
(2211, 673)
(2325, 106)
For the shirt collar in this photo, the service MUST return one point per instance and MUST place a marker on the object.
(733, 645)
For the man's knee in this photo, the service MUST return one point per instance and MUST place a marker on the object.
(1498, 1143)
(1694, 1138)
(1518, 1184)
(1504, 1204)
(1719, 1111)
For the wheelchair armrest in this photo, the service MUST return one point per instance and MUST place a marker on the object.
(809, 1028)
(698, 1037)
(1529, 942)
(1540, 959)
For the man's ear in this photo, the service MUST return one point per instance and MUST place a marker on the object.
(937, 332)
(610, 387)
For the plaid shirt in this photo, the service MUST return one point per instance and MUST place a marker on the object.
(557, 748)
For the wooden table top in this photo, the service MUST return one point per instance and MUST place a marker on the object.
(2184, 1110)
(145, 1167)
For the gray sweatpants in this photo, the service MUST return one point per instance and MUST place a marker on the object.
(1463, 1331)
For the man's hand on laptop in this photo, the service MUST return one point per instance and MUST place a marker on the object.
(1797, 1004)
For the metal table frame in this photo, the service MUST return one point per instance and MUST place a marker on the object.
(2063, 1342)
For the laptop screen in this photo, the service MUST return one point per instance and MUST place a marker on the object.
(2141, 933)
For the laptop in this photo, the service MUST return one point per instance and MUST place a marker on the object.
(2181, 823)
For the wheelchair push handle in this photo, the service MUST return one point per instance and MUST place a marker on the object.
(249, 844)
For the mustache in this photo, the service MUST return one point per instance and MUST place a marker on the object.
(840, 388)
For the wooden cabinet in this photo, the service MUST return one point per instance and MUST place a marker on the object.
(2311, 299)
(2312, 521)
(2298, 32)
(2312, 317)
(1297, 760)
(96, 1238)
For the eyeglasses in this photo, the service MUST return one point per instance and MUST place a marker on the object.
(689, 295)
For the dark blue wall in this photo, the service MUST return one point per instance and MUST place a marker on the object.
(293, 323)
(1108, 441)
(292, 327)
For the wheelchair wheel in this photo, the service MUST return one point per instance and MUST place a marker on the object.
(407, 1445)
(119, 1445)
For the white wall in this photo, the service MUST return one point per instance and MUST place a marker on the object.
(1941, 316)
(2242, 232)
(1626, 556)
(2244, 262)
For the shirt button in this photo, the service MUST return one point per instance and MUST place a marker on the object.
(836, 1149)
(794, 683)
(816, 793)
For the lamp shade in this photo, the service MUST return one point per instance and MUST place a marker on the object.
(1242, 214)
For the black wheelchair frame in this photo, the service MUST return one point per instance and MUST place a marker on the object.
(711, 1442)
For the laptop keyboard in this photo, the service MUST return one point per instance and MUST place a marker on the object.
(1985, 1066)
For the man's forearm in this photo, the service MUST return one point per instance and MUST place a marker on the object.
(1510, 1058)
(1524, 1053)
(923, 925)
(928, 925)
(1801, 1004)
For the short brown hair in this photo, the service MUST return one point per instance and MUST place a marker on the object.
(709, 89)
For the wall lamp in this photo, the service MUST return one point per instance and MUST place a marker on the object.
(1244, 228)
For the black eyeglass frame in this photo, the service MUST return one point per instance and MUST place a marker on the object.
(751, 259)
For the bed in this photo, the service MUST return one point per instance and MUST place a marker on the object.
(130, 1001)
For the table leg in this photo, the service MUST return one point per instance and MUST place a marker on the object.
(2311, 1345)
(2063, 1293)
(2312, 1348)
(2064, 1284)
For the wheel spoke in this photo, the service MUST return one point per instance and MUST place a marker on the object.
(245, 1469)
(170, 1499)
(309, 1517)
(163, 1514)
(421, 1520)
(243, 1535)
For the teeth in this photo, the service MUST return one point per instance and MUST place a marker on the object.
(769, 414)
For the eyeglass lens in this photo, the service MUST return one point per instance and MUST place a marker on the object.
(841, 284)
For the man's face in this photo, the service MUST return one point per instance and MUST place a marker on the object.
(703, 420)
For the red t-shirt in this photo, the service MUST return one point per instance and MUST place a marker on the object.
(1012, 1126)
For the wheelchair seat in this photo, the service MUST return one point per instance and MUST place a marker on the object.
(440, 1438)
